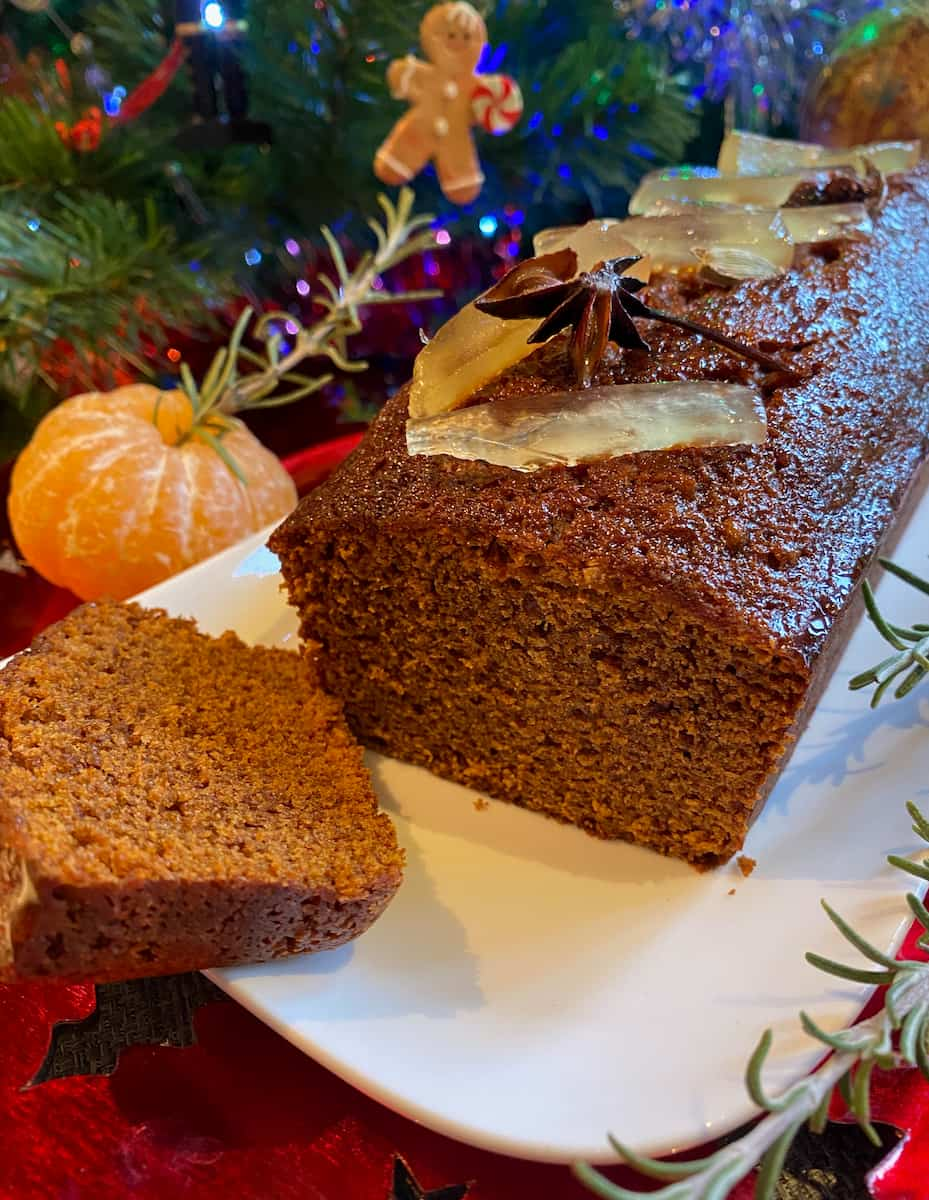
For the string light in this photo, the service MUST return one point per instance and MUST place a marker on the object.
(213, 15)
(303, 288)
(112, 101)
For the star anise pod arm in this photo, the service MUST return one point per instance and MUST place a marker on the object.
(597, 306)
(591, 335)
(720, 338)
(534, 288)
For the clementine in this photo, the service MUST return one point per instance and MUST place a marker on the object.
(118, 490)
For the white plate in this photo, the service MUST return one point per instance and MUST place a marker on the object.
(531, 988)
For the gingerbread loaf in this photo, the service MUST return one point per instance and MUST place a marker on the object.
(170, 801)
(632, 645)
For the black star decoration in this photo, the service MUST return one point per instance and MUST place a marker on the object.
(156, 1012)
(406, 1187)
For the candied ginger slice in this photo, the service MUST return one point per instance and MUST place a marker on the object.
(473, 347)
(467, 352)
(679, 240)
(826, 222)
(598, 241)
(745, 153)
(680, 184)
(566, 428)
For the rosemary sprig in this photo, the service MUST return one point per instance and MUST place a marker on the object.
(856, 1050)
(224, 390)
(400, 236)
(910, 659)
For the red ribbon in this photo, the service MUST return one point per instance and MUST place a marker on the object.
(154, 86)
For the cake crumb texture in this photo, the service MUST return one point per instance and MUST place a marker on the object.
(634, 644)
(177, 802)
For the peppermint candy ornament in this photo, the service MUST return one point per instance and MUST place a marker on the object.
(496, 103)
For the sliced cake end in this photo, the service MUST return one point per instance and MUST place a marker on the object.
(170, 801)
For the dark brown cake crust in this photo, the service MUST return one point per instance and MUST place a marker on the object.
(629, 644)
(177, 802)
(835, 186)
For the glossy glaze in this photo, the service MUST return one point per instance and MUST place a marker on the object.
(771, 540)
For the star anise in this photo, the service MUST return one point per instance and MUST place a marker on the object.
(598, 307)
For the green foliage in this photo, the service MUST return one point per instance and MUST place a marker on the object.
(92, 278)
(35, 163)
(909, 664)
(82, 275)
(318, 76)
(226, 388)
(87, 274)
(31, 152)
(600, 110)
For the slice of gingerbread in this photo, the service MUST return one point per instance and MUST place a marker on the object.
(170, 801)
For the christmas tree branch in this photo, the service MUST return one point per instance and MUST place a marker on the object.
(31, 151)
(93, 277)
(855, 1051)
(318, 75)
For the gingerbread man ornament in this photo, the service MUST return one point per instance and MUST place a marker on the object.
(441, 94)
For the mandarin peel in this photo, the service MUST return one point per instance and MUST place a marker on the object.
(119, 490)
